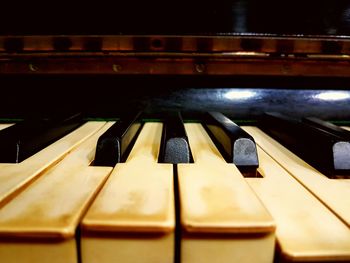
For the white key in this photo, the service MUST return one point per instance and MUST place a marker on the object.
(5, 125)
(334, 193)
(222, 219)
(306, 229)
(132, 219)
(15, 177)
(39, 224)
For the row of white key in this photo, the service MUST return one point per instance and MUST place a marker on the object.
(128, 214)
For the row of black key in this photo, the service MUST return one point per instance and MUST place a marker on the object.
(323, 145)
(22, 140)
(237, 145)
(113, 144)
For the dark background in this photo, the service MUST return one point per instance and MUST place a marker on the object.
(110, 96)
(309, 17)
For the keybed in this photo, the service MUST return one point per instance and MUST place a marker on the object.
(127, 212)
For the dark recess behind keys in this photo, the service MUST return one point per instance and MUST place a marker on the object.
(110, 96)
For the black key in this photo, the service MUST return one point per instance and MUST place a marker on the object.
(174, 144)
(328, 153)
(328, 127)
(113, 146)
(20, 141)
(236, 145)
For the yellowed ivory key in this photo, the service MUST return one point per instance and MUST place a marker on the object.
(334, 193)
(222, 219)
(39, 224)
(15, 177)
(306, 230)
(132, 219)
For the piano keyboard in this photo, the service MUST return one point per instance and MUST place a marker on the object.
(57, 207)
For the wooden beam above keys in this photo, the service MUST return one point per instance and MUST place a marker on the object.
(133, 217)
(334, 193)
(15, 177)
(219, 210)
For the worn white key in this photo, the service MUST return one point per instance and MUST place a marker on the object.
(5, 125)
(39, 224)
(334, 193)
(15, 177)
(306, 230)
(222, 219)
(132, 219)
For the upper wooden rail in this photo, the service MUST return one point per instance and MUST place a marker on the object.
(181, 55)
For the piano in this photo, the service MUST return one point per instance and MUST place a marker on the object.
(237, 58)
